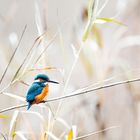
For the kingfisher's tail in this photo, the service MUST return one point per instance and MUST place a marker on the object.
(29, 105)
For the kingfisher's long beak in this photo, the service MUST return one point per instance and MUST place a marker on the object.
(53, 82)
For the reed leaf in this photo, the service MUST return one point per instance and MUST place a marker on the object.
(105, 20)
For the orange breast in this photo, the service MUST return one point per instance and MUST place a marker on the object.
(43, 94)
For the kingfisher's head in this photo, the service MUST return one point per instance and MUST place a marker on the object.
(43, 78)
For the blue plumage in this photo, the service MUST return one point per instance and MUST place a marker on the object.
(33, 91)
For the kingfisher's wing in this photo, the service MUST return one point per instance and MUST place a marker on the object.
(33, 91)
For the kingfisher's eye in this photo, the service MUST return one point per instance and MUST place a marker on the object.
(40, 80)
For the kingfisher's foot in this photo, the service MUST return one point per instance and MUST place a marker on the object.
(42, 101)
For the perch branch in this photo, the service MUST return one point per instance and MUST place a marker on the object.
(76, 94)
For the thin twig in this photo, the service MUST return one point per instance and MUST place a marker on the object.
(23, 82)
(13, 53)
(96, 132)
(76, 94)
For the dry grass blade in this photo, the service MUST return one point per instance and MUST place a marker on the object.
(92, 9)
(13, 54)
(52, 40)
(60, 120)
(38, 19)
(130, 41)
(39, 39)
(53, 137)
(23, 82)
(38, 69)
(14, 96)
(48, 123)
(87, 64)
(103, 6)
(76, 94)
(69, 76)
(75, 52)
(20, 134)
(3, 136)
(98, 36)
(13, 124)
(96, 132)
(34, 114)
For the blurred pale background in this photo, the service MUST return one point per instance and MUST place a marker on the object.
(110, 54)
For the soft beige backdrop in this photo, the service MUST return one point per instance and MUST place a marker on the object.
(117, 60)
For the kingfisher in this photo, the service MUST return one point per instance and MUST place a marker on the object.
(38, 90)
